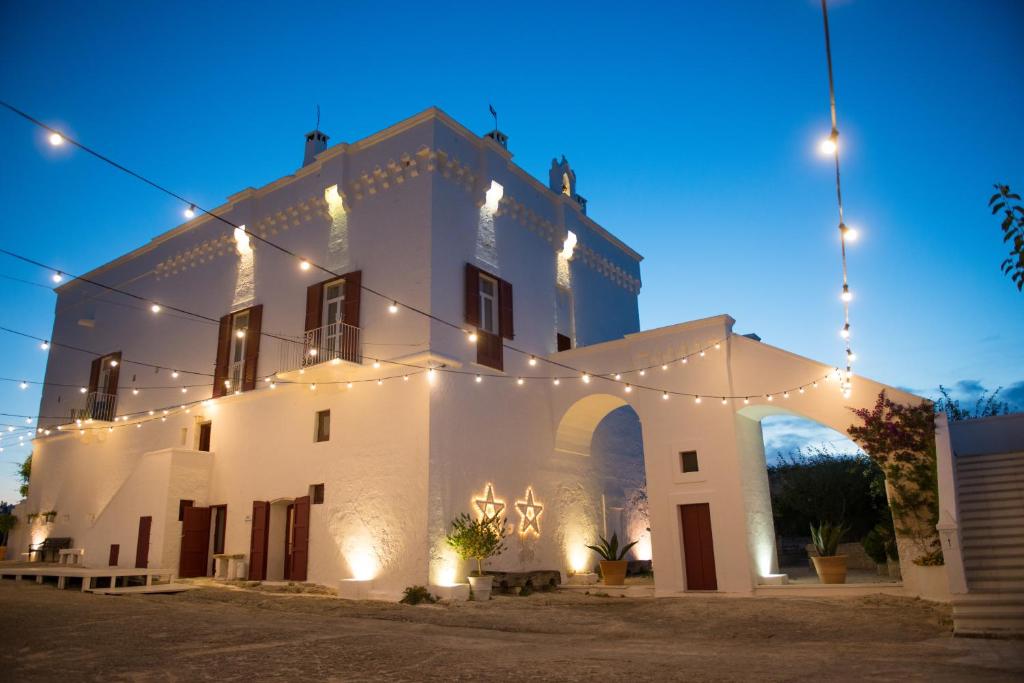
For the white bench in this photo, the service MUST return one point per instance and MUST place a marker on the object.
(74, 556)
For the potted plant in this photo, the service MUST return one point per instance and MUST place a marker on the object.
(478, 539)
(613, 566)
(831, 567)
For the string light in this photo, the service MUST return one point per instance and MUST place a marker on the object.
(724, 401)
(113, 363)
(846, 295)
(23, 385)
(556, 381)
(174, 374)
(312, 387)
(533, 360)
(82, 390)
(628, 389)
(304, 264)
(376, 364)
(746, 400)
(479, 379)
(57, 277)
(45, 345)
(618, 376)
(393, 307)
(155, 308)
(696, 399)
(519, 381)
(56, 139)
(190, 212)
(664, 395)
(472, 337)
(585, 378)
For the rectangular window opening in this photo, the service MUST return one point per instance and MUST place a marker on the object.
(316, 494)
(688, 461)
(182, 504)
(205, 430)
(323, 425)
(488, 304)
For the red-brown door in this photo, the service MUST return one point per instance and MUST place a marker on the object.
(115, 550)
(299, 540)
(698, 547)
(142, 548)
(258, 542)
(289, 528)
(195, 542)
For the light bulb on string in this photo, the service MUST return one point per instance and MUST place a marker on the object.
(746, 400)
(45, 345)
(664, 395)
(533, 360)
(643, 373)
(519, 381)
(393, 307)
(479, 379)
(174, 375)
(55, 139)
(190, 212)
(82, 390)
(618, 376)
(556, 381)
(829, 145)
(57, 277)
(846, 296)
(304, 264)
(696, 399)
(23, 385)
(845, 332)
(376, 364)
(472, 337)
(155, 308)
(628, 389)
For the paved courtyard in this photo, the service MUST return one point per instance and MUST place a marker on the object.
(230, 634)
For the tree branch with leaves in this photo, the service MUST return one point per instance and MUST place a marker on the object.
(1009, 204)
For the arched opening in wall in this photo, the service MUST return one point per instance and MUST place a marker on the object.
(815, 475)
(606, 431)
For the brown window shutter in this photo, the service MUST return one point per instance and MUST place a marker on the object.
(506, 324)
(258, 541)
(94, 374)
(252, 348)
(115, 375)
(314, 305)
(490, 350)
(300, 540)
(353, 294)
(223, 352)
(472, 295)
(142, 549)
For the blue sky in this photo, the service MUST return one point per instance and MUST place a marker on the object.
(692, 128)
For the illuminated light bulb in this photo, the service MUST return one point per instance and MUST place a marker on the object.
(702, 353)
(376, 364)
(814, 385)
(312, 387)
(302, 371)
(57, 277)
(685, 361)
(643, 373)
(81, 432)
(174, 374)
(718, 345)
(845, 332)
(166, 411)
(227, 384)
(380, 382)
(304, 264)
(851, 356)
(151, 412)
(618, 376)
(155, 308)
(472, 337)
(273, 385)
(801, 390)
(163, 419)
(627, 389)
(746, 400)
(405, 378)
(479, 379)
(113, 363)
(82, 390)
(696, 399)
(664, 396)
(45, 345)
(313, 352)
(724, 401)
(23, 385)
(39, 431)
(430, 373)
(785, 394)
(664, 367)
(11, 429)
(46, 432)
(393, 308)
(138, 425)
(110, 429)
(532, 361)
(240, 334)
(829, 144)
(350, 385)
(846, 295)
(585, 378)
(519, 381)
(335, 361)
(851, 235)
(556, 381)
(770, 397)
(184, 390)
(190, 212)
(56, 139)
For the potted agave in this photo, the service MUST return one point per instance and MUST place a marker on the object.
(831, 568)
(477, 539)
(613, 564)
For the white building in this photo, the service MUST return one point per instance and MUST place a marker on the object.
(330, 451)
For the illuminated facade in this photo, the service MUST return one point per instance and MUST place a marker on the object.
(325, 428)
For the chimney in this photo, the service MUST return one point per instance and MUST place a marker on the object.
(498, 137)
(316, 142)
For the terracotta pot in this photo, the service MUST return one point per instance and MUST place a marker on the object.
(830, 569)
(614, 572)
(481, 587)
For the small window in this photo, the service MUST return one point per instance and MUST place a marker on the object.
(488, 304)
(204, 436)
(182, 504)
(564, 343)
(323, 425)
(688, 460)
(316, 494)
(220, 523)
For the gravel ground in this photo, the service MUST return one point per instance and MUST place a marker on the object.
(229, 634)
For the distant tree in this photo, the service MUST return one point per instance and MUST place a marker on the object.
(986, 406)
(1013, 231)
(25, 473)
(7, 521)
(815, 485)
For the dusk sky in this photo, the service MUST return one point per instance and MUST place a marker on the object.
(692, 128)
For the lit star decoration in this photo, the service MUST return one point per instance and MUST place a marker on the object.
(489, 506)
(529, 513)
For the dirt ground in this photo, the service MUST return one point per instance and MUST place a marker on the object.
(232, 634)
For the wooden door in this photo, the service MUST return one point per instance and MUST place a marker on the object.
(698, 547)
(299, 540)
(195, 542)
(258, 542)
(115, 551)
(142, 548)
(289, 523)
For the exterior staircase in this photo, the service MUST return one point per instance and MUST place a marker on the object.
(990, 494)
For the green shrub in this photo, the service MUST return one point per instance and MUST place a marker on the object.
(477, 539)
(414, 595)
(609, 550)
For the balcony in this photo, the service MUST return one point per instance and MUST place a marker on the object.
(98, 406)
(329, 345)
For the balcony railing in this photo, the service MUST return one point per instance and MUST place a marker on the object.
(98, 406)
(332, 343)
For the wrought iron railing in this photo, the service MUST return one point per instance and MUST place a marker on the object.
(332, 343)
(98, 406)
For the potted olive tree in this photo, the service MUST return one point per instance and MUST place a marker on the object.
(478, 539)
(613, 562)
(831, 568)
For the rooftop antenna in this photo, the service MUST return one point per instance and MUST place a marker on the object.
(494, 113)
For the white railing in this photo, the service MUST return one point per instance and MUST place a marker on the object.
(98, 406)
(332, 343)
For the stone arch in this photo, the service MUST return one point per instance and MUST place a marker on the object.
(576, 427)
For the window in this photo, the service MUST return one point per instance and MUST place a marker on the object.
(565, 322)
(323, 425)
(563, 342)
(332, 320)
(316, 494)
(688, 461)
(204, 436)
(182, 504)
(239, 338)
(220, 523)
(101, 400)
(488, 304)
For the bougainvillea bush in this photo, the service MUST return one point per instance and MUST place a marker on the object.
(901, 440)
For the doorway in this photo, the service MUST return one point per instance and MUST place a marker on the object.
(142, 546)
(287, 540)
(698, 547)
